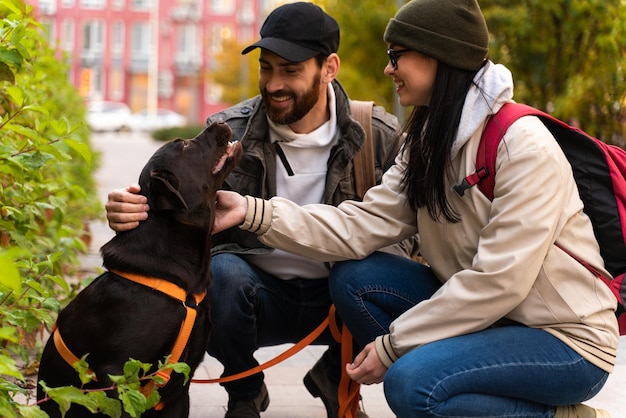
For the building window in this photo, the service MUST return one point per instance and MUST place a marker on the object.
(67, 4)
(141, 4)
(92, 4)
(186, 10)
(117, 39)
(118, 4)
(222, 7)
(187, 53)
(67, 35)
(140, 46)
(47, 7)
(93, 41)
(141, 39)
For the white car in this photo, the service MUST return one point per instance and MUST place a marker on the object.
(146, 120)
(107, 116)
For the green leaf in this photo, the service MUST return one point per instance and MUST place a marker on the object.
(84, 373)
(59, 280)
(22, 130)
(180, 368)
(6, 74)
(8, 334)
(51, 304)
(153, 398)
(81, 148)
(66, 395)
(39, 109)
(108, 406)
(132, 368)
(134, 402)
(6, 408)
(11, 56)
(16, 94)
(14, 6)
(60, 126)
(9, 274)
(31, 411)
(8, 367)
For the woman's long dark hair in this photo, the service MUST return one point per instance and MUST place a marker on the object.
(431, 131)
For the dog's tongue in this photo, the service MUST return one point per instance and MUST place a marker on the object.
(220, 164)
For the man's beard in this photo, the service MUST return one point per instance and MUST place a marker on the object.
(301, 104)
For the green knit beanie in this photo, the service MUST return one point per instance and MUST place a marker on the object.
(451, 31)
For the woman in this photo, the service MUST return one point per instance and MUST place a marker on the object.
(501, 322)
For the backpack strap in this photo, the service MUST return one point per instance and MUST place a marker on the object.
(364, 170)
(484, 175)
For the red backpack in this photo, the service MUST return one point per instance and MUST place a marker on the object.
(600, 174)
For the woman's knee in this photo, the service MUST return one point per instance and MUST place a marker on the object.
(401, 391)
(356, 273)
(341, 274)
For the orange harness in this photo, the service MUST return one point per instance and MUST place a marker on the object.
(348, 389)
(171, 290)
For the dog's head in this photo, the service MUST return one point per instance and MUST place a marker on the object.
(183, 175)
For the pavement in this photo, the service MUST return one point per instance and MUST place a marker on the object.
(122, 157)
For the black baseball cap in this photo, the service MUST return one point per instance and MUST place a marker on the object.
(298, 31)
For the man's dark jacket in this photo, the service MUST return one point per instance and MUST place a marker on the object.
(256, 173)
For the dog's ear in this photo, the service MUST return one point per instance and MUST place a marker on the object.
(163, 187)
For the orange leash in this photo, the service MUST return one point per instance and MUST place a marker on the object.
(348, 394)
(349, 390)
(281, 357)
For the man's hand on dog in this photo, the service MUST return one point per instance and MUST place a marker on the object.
(126, 208)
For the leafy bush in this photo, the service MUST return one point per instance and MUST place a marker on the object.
(47, 197)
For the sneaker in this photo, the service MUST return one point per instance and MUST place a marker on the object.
(248, 408)
(320, 386)
(580, 411)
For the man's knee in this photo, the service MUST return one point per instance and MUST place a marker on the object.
(229, 271)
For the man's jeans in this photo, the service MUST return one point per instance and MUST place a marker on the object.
(251, 309)
(509, 371)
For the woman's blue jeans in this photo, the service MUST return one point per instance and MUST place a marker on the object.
(509, 371)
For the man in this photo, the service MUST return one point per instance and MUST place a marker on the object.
(299, 141)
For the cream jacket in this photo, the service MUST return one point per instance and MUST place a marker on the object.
(499, 262)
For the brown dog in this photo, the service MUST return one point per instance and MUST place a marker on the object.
(118, 316)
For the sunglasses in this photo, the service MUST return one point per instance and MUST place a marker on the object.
(394, 54)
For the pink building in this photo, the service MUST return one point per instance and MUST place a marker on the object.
(109, 46)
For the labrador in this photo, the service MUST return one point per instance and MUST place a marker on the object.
(155, 279)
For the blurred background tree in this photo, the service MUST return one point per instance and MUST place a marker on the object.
(231, 68)
(567, 57)
(362, 49)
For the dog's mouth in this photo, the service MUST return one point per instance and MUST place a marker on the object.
(231, 154)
